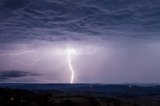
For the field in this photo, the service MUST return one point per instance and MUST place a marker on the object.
(78, 95)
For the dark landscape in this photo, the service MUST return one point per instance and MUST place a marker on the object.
(79, 95)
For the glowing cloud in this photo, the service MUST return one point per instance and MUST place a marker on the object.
(31, 57)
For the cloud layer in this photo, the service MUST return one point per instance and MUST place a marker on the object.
(124, 35)
(62, 20)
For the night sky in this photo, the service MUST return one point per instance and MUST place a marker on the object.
(110, 41)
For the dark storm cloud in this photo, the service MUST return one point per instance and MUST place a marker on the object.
(123, 35)
(23, 20)
(9, 74)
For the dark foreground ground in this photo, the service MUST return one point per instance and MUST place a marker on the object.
(78, 95)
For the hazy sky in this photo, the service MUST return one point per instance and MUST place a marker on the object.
(115, 41)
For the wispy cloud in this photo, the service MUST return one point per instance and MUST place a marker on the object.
(9, 74)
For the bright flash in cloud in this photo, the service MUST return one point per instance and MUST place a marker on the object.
(71, 51)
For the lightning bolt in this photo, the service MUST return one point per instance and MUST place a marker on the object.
(72, 51)
(70, 66)
(24, 64)
(14, 55)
